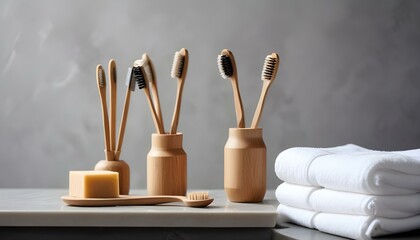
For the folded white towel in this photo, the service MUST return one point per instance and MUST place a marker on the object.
(295, 195)
(350, 226)
(326, 200)
(295, 215)
(380, 173)
(352, 168)
(292, 165)
(386, 206)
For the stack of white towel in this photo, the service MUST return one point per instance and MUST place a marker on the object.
(349, 190)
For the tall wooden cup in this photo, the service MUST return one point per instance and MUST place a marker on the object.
(167, 166)
(245, 165)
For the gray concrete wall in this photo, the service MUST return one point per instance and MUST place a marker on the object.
(349, 74)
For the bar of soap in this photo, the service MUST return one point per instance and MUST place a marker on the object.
(93, 184)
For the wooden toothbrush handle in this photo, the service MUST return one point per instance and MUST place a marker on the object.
(155, 94)
(239, 110)
(113, 102)
(123, 123)
(156, 102)
(153, 111)
(105, 122)
(175, 118)
(260, 105)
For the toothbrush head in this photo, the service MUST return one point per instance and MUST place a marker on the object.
(198, 195)
(147, 65)
(224, 62)
(178, 63)
(139, 77)
(271, 64)
(112, 69)
(129, 82)
(100, 76)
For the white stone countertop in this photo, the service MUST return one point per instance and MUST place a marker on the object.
(43, 207)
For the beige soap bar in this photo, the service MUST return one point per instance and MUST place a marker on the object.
(93, 184)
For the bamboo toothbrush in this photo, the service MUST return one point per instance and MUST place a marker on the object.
(101, 81)
(268, 75)
(130, 87)
(227, 68)
(179, 71)
(141, 79)
(151, 76)
(112, 73)
(193, 199)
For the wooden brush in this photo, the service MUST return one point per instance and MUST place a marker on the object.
(268, 75)
(149, 70)
(193, 199)
(227, 68)
(101, 82)
(142, 82)
(112, 73)
(179, 71)
(130, 87)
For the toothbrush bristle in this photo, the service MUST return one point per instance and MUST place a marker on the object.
(225, 66)
(269, 68)
(148, 71)
(198, 195)
(129, 82)
(177, 65)
(101, 76)
(138, 77)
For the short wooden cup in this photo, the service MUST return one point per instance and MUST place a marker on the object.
(167, 166)
(123, 173)
(245, 165)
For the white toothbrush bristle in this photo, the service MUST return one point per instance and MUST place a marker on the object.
(177, 65)
(269, 68)
(129, 82)
(148, 71)
(101, 77)
(198, 195)
(225, 66)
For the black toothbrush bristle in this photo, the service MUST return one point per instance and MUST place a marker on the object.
(139, 77)
(180, 66)
(225, 66)
(269, 67)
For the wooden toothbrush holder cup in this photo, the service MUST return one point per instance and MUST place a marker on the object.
(123, 171)
(245, 165)
(167, 166)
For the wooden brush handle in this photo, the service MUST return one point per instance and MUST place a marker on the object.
(148, 200)
(155, 94)
(105, 122)
(175, 118)
(156, 102)
(112, 72)
(239, 110)
(122, 200)
(123, 123)
(153, 111)
(260, 106)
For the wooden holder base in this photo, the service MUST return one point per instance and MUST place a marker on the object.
(245, 165)
(167, 166)
(123, 172)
